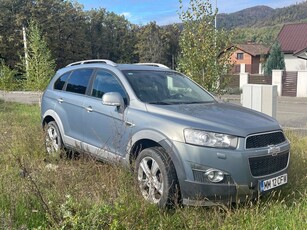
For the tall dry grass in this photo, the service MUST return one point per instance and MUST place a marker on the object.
(43, 193)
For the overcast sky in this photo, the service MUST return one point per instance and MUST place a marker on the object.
(165, 11)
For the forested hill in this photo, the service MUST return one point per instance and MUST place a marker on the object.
(244, 18)
(260, 16)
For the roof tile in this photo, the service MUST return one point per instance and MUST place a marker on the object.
(293, 37)
(253, 49)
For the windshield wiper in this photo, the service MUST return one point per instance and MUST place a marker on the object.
(198, 102)
(158, 103)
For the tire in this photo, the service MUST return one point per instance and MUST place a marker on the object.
(53, 140)
(156, 177)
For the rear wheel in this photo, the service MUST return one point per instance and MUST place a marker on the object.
(53, 139)
(156, 176)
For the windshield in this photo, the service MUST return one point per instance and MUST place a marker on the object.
(158, 87)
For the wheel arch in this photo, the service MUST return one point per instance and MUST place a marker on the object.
(50, 115)
(150, 138)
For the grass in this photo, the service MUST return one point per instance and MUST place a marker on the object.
(86, 194)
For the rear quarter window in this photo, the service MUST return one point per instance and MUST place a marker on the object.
(59, 84)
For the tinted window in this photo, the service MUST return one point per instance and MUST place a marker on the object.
(79, 80)
(105, 82)
(59, 84)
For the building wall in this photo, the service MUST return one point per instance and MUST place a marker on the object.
(247, 58)
(256, 60)
(294, 64)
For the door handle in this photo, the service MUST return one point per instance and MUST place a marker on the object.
(60, 100)
(89, 109)
(130, 124)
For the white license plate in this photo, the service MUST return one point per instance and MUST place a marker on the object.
(266, 185)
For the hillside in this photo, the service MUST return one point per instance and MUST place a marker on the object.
(293, 13)
(263, 16)
(244, 18)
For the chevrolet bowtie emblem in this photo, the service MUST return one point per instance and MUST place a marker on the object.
(273, 150)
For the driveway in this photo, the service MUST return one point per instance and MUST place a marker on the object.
(291, 112)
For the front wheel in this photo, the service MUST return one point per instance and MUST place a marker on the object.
(156, 177)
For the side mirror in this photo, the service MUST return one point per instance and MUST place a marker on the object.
(113, 99)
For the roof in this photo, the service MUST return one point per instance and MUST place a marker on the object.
(253, 49)
(293, 38)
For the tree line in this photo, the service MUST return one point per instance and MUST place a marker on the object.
(73, 34)
(59, 32)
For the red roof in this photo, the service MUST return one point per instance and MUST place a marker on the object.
(293, 38)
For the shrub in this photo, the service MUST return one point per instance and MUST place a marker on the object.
(8, 81)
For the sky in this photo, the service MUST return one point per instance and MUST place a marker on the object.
(165, 12)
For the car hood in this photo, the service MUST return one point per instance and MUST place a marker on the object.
(218, 117)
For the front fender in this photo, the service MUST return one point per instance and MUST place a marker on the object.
(164, 142)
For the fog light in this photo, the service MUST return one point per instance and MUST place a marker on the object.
(214, 175)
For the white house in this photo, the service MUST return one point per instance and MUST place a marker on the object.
(293, 42)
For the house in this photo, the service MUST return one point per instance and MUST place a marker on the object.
(293, 42)
(248, 58)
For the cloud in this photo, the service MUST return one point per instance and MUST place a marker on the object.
(126, 15)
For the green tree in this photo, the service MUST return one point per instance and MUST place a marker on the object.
(205, 52)
(153, 44)
(11, 23)
(275, 60)
(173, 34)
(111, 36)
(63, 24)
(39, 66)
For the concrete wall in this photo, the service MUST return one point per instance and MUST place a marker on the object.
(22, 97)
(262, 98)
(243, 79)
(277, 80)
(301, 84)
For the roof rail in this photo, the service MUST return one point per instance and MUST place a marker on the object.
(153, 64)
(103, 61)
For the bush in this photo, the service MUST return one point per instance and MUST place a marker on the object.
(8, 81)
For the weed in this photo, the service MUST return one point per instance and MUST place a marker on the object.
(86, 194)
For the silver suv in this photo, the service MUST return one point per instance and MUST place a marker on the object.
(181, 142)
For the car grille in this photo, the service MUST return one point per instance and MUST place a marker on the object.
(264, 140)
(265, 165)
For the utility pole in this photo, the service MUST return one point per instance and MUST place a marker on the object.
(215, 45)
(25, 48)
(215, 21)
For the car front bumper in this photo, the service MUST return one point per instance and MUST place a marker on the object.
(242, 177)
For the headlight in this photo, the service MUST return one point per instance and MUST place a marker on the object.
(209, 139)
